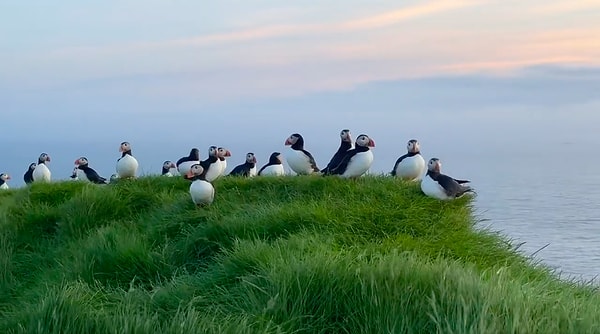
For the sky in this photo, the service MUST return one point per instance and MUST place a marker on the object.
(77, 78)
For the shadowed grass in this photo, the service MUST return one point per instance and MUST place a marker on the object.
(271, 255)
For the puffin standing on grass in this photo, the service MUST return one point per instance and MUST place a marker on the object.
(201, 191)
(274, 166)
(345, 145)
(41, 173)
(247, 169)
(184, 164)
(358, 160)
(299, 159)
(127, 165)
(212, 165)
(28, 176)
(166, 168)
(410, 166)
(87, 173)
(4, 181)
(223, 153)
(440, 186)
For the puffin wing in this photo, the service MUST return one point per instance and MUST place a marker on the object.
(93, 176)
(462, 181)
(239, 170)
(311, 160)
(341, 168)
(452, 188)
(398, 162)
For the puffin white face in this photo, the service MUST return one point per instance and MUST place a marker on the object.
(44, 157)
(413, 146)
(125, 146)
(223, 152)
(434, 165)
(168, 164)
(250, 158)
(32, 166)
(81, 161)
(196, 169)
(291, 140)
(364, 140)
(345, 135)
(212, 151)
(4, 177)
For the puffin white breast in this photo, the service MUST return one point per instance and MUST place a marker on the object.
(41, 173)
(411, 168)
(359, 164)
(127, 166)
(202, 192)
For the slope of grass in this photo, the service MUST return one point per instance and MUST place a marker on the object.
(288, 255)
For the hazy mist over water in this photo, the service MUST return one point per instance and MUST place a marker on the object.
(533, 160)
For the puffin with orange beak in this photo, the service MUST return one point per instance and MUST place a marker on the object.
(3, 180)
(127, 165)
(248, 168)
(356, 161)
(41, 173)
(202, 192)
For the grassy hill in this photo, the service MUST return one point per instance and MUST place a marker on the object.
(296, 254)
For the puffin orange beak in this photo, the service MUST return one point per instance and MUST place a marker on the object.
(173, 165)
(77, 162)
(227, 153)
(8, 177)
(254, 160)
(288, 142)
(48, 158)
(371, 143)
(121, 149)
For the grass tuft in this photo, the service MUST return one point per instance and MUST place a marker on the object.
(270, 255)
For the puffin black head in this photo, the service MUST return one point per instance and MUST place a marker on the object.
(32, 166)
(82, 161)
(345, 135)
(434, 165)
(223, 152)
(195, 154)
(168, 165)
(275, 158)
(44, 157)
(195, 171)
(125, 148)
(250, 158)
(213, 151)
(365, 141)
(296, 141)
(413, 146)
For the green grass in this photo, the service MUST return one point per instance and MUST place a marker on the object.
(288, 255)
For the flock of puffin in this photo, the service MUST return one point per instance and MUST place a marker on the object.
(351, 160)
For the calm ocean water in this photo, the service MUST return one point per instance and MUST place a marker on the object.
(535, 171)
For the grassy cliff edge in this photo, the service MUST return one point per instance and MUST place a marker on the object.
(271, 255)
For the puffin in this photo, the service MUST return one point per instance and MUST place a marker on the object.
(410, 166)
(345, 145)
(87, 173)
(247, 169)
(274, 166)
(74, 176)
(41, 173)
(201, 191)
(166, 168)
(212, 165)
(28, 176)
(184, 164)
(299, 159)
(440, 186)
(127, 165)
(223, 153)
(356, 161)
(113, 178)
(4, 180)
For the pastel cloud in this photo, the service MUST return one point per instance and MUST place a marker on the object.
(434, 38)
